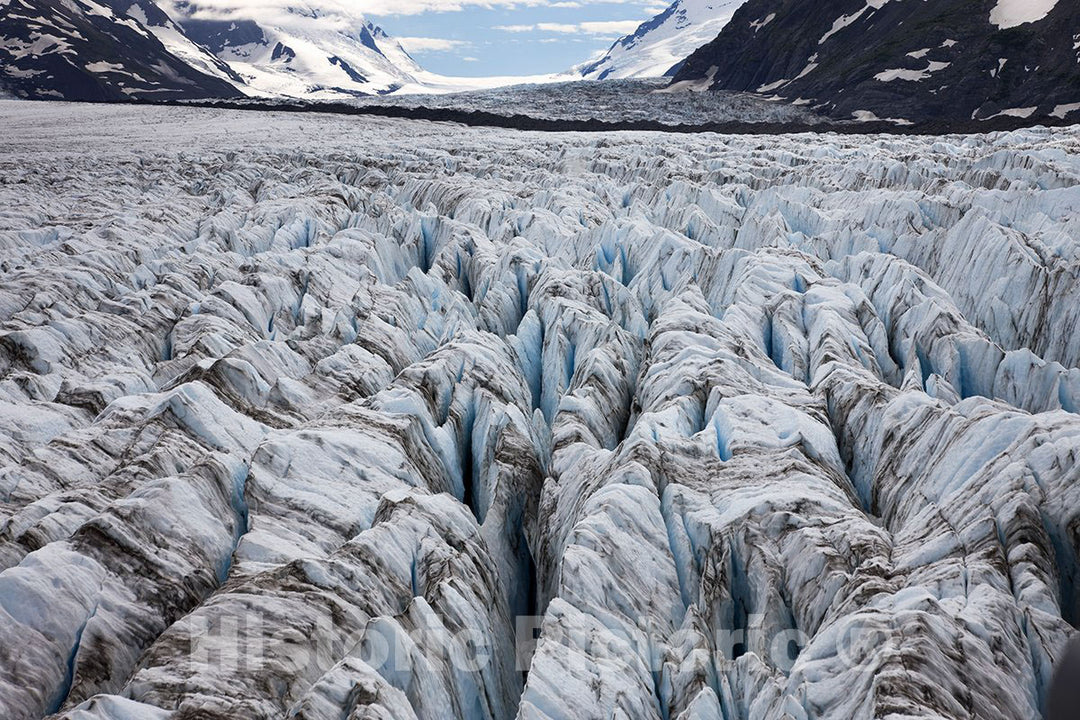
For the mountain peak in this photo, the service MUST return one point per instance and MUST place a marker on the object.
(658, 45)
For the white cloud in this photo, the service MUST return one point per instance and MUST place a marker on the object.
(598, 27)
(557, 27)
(413, 7)
(343, 15)
(611, 27)
(338, 9)
(430, 44)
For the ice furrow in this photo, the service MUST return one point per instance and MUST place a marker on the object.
(372, 418)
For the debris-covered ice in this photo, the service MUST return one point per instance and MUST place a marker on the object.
(608, 101)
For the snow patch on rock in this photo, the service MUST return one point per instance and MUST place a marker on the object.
(1013, 13)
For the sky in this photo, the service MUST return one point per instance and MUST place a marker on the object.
(503, 37)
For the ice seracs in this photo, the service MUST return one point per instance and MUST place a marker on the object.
(650, 100)
(371, 418)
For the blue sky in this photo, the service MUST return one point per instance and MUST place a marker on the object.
(533, 37)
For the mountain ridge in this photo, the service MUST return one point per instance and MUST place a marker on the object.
(898, 60)
(659, 45)
(119, 50)
(84, 50)
(303, 51)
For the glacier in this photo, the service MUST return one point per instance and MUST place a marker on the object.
(327, 417)
(635, 100)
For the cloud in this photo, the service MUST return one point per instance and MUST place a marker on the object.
(329, 9)
(557, 27)
(430, 44)
(598, 27)
(345, 10)
(344, 15)
(611, 27)
(415, 7)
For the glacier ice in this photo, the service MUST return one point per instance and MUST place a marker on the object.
(326, 417)
(619, 100)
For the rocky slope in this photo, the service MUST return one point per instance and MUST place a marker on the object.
(311, 425)
(124, 49)
(658, 46)
(904, 60)
(113, 50)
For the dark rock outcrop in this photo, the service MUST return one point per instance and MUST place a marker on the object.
(73, 50)
(900, 59)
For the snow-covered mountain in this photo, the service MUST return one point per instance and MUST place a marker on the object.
(107, 50)
(323, 418)
(302, 50)
(123, 49)
(658, 46)
(903, 60)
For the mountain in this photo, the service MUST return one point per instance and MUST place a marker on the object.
(302, 51)
(905, 60)
(658, 46)
(176, 41)
(108, 50)
(125, 49)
